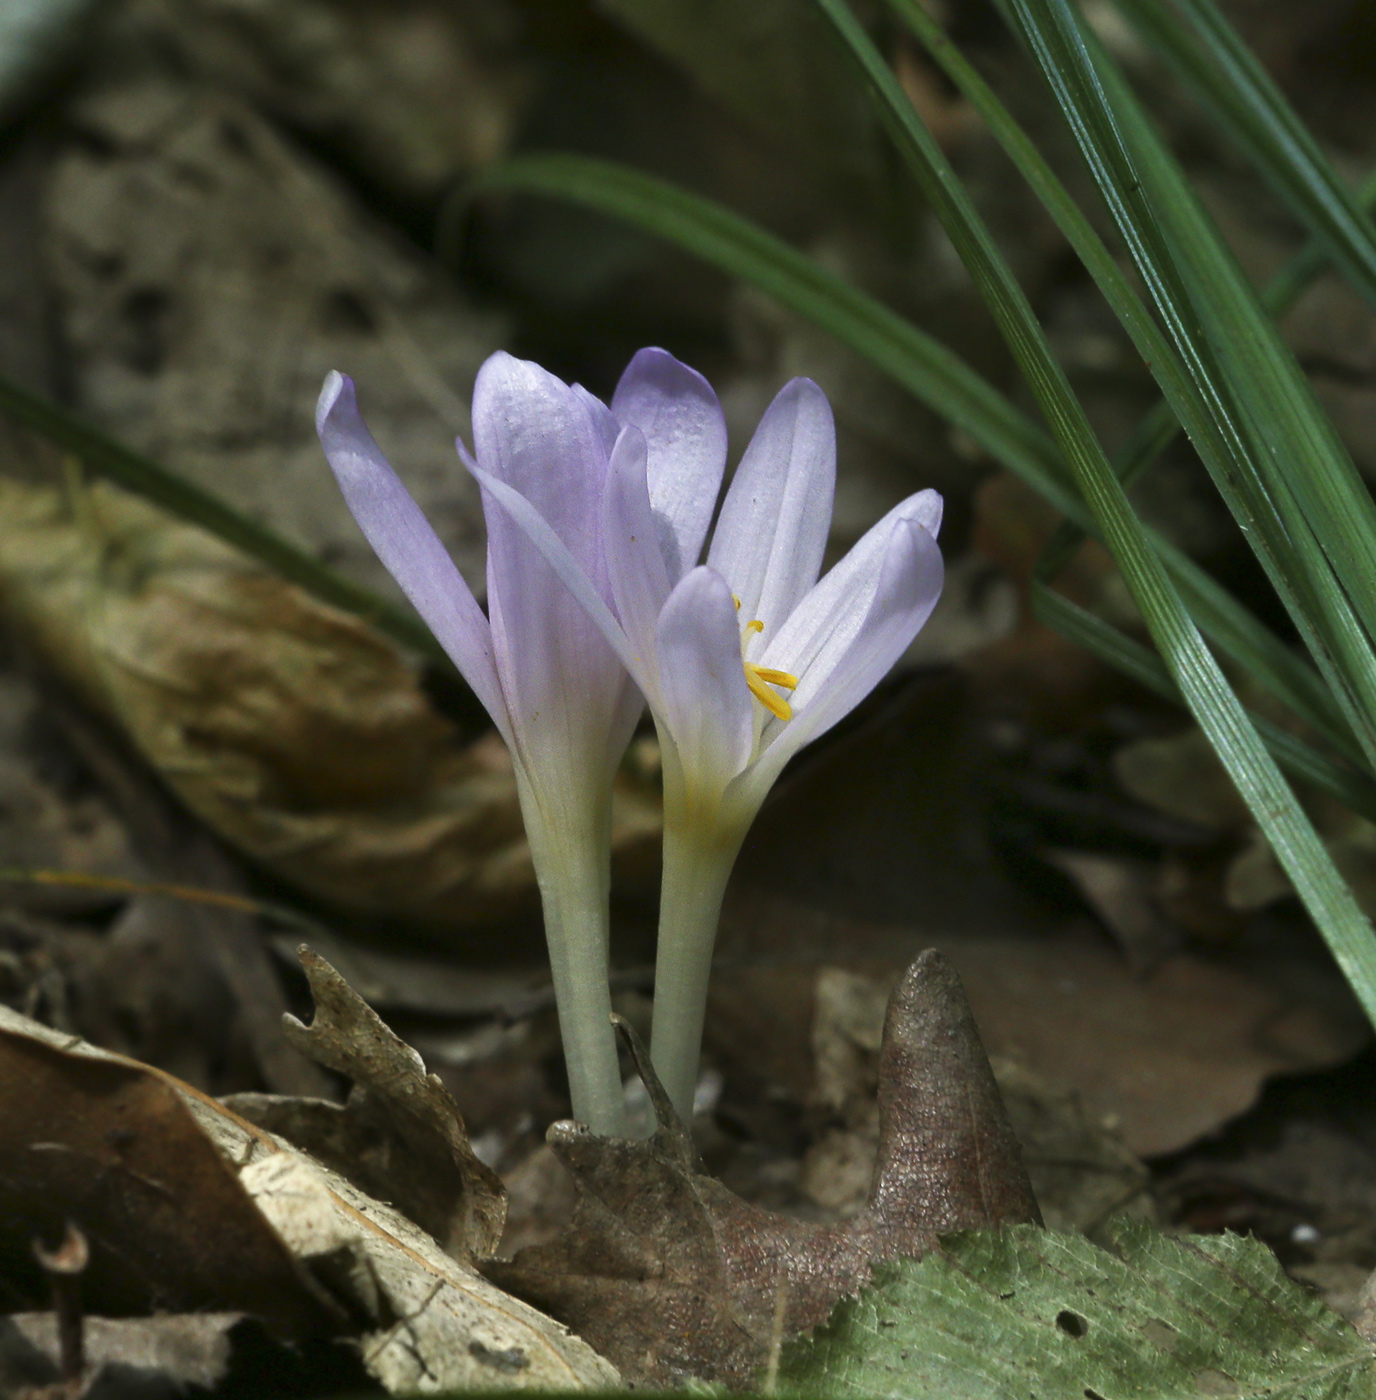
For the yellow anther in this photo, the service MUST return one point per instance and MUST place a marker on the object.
(760, 678)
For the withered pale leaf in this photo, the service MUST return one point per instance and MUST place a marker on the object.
(675, 1277)
(182, 1349)
(293, 730)
(428, 1322)
(400, 1137)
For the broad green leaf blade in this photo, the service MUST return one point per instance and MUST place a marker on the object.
(1113, 647)
(1213, 62)
(102, 456)
(1196, 673)
(1026, 1314)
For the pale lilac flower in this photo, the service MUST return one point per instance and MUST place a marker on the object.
(745, 659)
(554, 687)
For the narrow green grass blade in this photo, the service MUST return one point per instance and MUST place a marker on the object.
(912, 359)
(905, 353)
(1217, 322)
(1304, 463)
(103, 456)
(1211, 60)
(1193, 668)
(1229, 625)
(1113, 647)
(1262, 415)
(1158, 428)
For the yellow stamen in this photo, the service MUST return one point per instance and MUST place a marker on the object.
(759, 679)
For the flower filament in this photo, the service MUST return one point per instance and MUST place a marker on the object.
(760, 678)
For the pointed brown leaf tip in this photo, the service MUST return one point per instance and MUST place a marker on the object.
(673, 1277)
(948, 1158)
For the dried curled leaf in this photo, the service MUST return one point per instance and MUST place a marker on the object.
(425, 1319)
(400, 1137)
(295, 731)
(673, 1276)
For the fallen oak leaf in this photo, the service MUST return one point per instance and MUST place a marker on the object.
(428, 1321)
(106, 1142)
(674, 1277)
(400, 1137)
(298, 733)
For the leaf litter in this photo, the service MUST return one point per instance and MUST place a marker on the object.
(297, 733)
(227, 1213)
(673, 1276)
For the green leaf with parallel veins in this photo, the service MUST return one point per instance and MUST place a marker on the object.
(1025, 1314)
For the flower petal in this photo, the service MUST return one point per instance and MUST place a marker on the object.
(545, 440)
(706, 705)
(635, 566)
(850, 630)
(602, 417)
(676, 409)
(406, 543)
(524, 517)
(563, 683)
(772, 532)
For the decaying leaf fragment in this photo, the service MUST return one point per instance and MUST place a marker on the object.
(105, 1142)
(423, 1319)
(673, 1276)
(295, 731)
(400, 1136)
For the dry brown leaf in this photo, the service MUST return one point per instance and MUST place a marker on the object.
(674, 1277)
(296, 732)
(427, 1320)
(400, 1137)
(1125, 893)
(416, 94)
(205, 276)
(1081, 1174)
(1165, 1056)
(103, 1141)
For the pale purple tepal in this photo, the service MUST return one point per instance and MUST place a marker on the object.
(712, 647)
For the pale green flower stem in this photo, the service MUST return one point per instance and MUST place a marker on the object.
(573, 869)
(699, 850)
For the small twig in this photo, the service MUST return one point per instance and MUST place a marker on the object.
(64, 1267)
(189, 894)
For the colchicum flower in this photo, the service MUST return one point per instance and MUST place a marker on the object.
(745, 659)
(545, 673)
